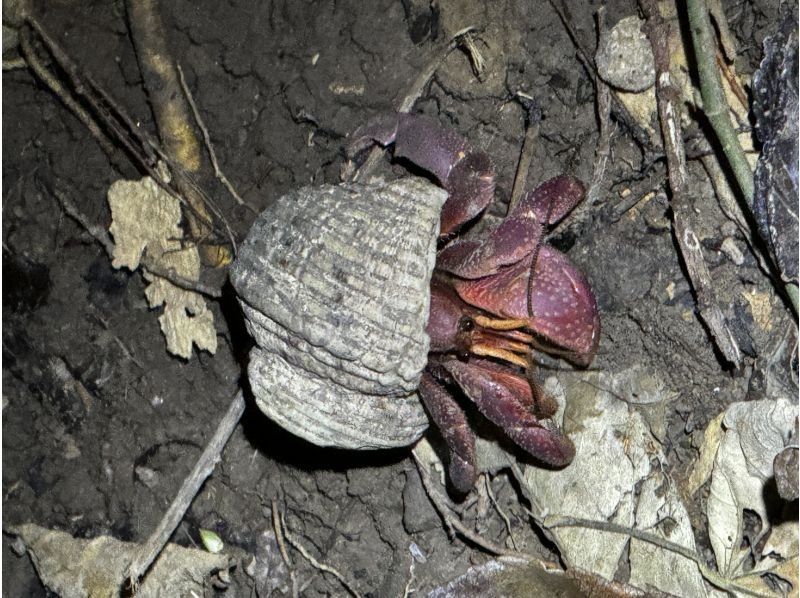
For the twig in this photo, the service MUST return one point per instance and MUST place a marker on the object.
(147, 262)
(584, 56)
(603, 149)
(603, 111)
(171, 112)
(118, 125)
(602, 153)
(731, 207)
(14, 64)
(715, 105)
(314, 562)
(407, 103)
(276, 526)
(407, 591)
(466, 41)
(452, 522)
(140, 147)
(46, 77)
(634, 199)
(725, 37)
(533, 116)
(669, 107)
(97, 232)
(202, 469)
(209, 147)
(500, 511)
(711, 576)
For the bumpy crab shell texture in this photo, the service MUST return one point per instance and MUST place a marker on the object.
(334, 282)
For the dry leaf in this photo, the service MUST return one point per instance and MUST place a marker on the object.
(755, 432)
(512, 577)
(616, 455)
(147, 218)
(704, 465)
(661, 511)
(77, 568)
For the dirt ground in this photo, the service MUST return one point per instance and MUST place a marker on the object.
(280, 85)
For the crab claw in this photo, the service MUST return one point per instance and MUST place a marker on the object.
(558, 304)
(552, 200)
(519, 235)
(506, 399)
(467, 175)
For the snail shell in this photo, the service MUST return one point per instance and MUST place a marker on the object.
(334, 282)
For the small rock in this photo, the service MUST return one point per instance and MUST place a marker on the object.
(785, 466)
(624, 58)
(418, 514)
(731, 249)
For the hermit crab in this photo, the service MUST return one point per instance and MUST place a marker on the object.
(363, 298)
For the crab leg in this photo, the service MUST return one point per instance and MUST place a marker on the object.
(507, 400)
(452, 423)
(518, 236)
(466, 174)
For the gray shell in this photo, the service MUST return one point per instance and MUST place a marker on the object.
(334, 282)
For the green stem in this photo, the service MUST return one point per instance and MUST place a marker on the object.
(791, 291)
(716, 110)
(715, 105)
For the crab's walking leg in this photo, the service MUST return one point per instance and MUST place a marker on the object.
(466, 174)
(446, 413)
(506, 399)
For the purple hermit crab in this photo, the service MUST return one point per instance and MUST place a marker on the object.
(354, 309)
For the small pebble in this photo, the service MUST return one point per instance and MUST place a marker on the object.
(731, 249)
(624, 58)
(417, 553)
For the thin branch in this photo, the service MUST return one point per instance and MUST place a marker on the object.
(147, 262)
(585, 58)
(314, 562)
(209, 147)
(46, 77)
(669, 110)
(533, 116)
(14, 64)
(144, 151)
(711, 576)
(120, 127)
(452, 522)
(715, 106)
(732, 209)
(276, 526)
(191, 485)
(500, 511)
(603, 149)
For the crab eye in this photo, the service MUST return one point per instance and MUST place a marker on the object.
(466, 324)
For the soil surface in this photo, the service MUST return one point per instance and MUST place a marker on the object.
(101, 424)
